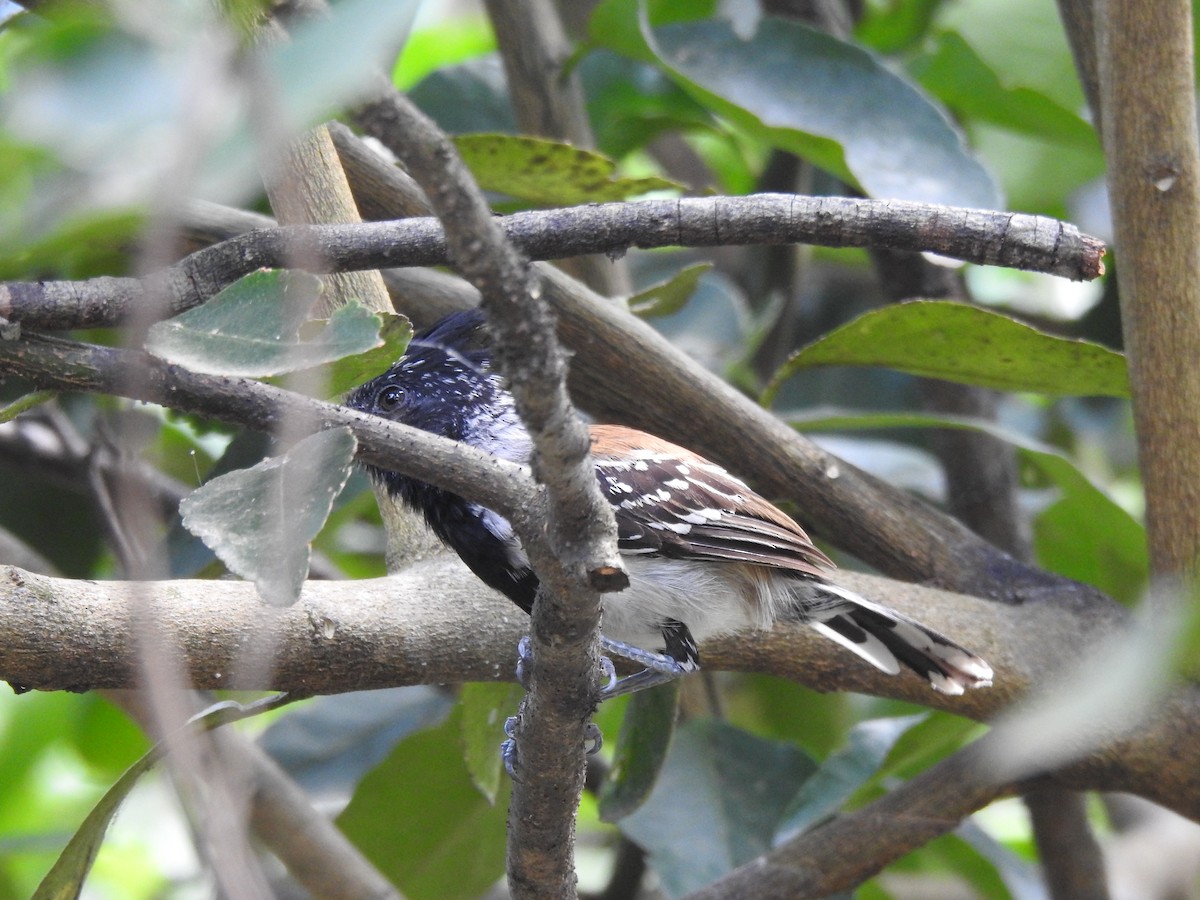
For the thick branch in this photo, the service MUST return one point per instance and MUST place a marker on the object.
(1153, 153)
(991, 238)
(435, 623)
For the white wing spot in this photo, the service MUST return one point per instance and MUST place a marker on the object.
(677, 527)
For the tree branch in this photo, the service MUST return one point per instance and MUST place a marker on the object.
(71, 366)
(436, 623)
(1017, 241)
(573, 549)
(1147, 81)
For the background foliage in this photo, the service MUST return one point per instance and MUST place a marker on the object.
(973, 103)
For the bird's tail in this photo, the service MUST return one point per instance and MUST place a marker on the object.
(887, 639)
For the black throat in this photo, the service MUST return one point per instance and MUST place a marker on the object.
(460, 525)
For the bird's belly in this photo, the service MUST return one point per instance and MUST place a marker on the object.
(705, 598)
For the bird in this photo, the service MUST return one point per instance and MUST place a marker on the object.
(706, 555)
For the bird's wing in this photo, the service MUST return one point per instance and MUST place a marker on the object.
(671, 502)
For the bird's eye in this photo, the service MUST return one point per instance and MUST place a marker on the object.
(391, 398)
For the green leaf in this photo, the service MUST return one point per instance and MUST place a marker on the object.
(1088, 536)
(468, 98)
(614, 23)
(258, 326)
(485, 706)
(351, 371)
(1022, 41)
(419, 818)
(330, 743)
(934, 737)
(966, 344)
(25, 403)
(957, 75)
(548, 172)
(438, 44)
(630, 103)
(65, 879)
(717, 803)
(954, 854)
(815, 721)
(1020, 877)
(829, 101)
(82, 246)
(668, 296)
(892, 27)
(641, 751)
(260, 520)
(843, 773)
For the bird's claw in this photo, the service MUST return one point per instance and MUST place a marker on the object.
(524, 661)
(593, 738)
(609, 672)
(508, 748)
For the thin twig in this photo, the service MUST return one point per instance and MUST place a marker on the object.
(1016, 241)
(574, 550)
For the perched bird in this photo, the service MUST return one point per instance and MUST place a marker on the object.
(705, 554)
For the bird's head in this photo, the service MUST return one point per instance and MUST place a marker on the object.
(442, 384)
